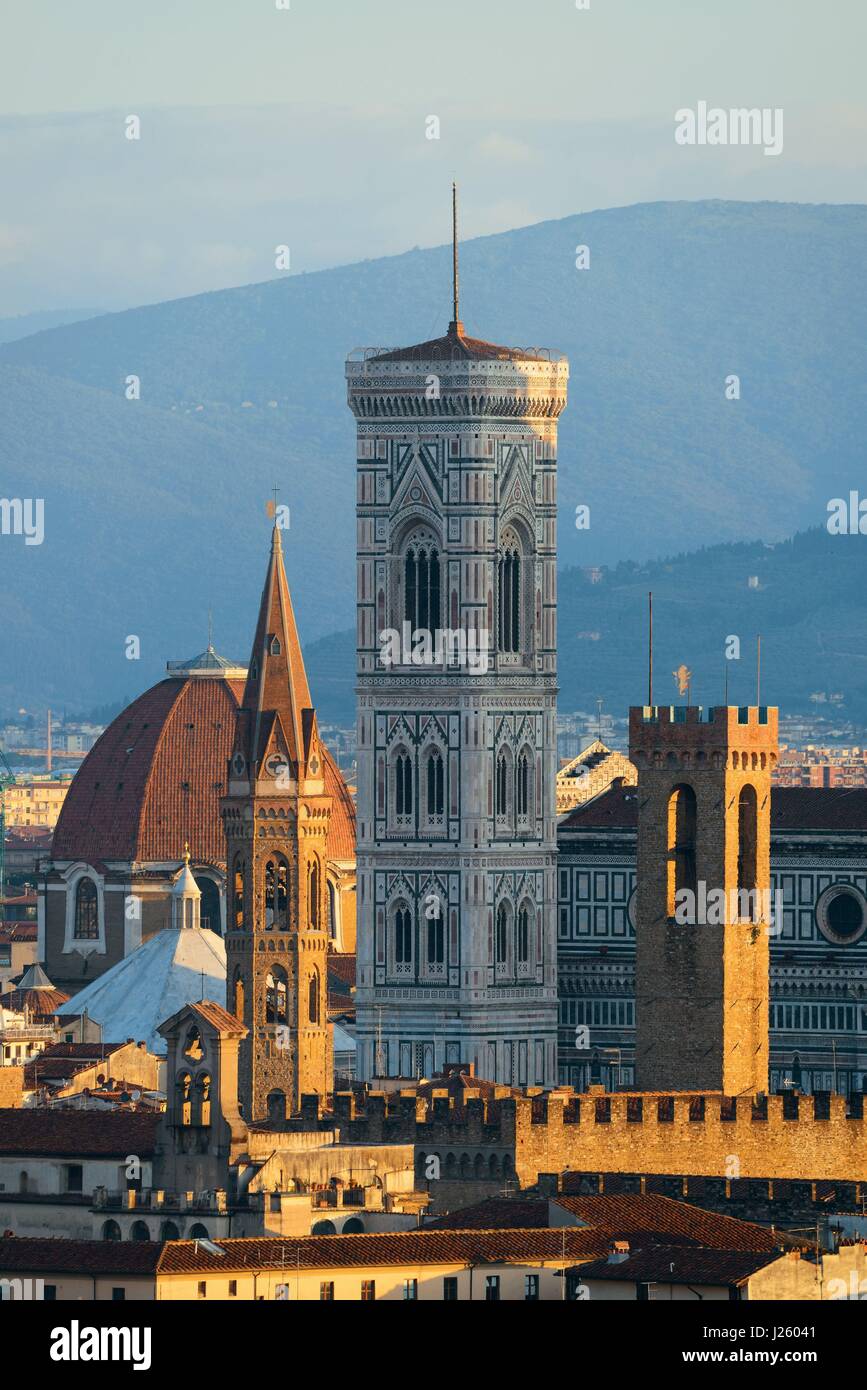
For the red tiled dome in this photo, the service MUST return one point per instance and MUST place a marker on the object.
(156, 775)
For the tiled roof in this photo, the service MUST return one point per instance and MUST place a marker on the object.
(218, 1017)
(32, 1255)
(18, 931)
(679, 1264)
(513, 1213)
(388, 1248)
(341, 968)
(39, 1003)
(664, 1217)
(455, 346)
(792, 809)
(154, 778)
(156, 775)
(77, 1133)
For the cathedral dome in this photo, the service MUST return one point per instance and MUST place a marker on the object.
(156, 775)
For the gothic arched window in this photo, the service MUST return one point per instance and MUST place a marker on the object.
(509, 594)
(421, 592)
(313, 892)
(238, 996)
(313, 998)
(403, 804)
(185, 1088)
(86, 911)
(436, 939)
(203, 1088)
(435, 783)
(332, 909)
(681, 845)
(502, 942)
(747, 828)
(277, 894)
(502, 783)
(522, 786)
(238, 893)
(276, 996)
(402, 937)
(523, 935)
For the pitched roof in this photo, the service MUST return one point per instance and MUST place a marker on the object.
(513, 1213)
(387, 1248)
(681, 1264)
(276, 693)
(77, 1133)
(36, 1255)
(154, 778)
(650, 1213)
(218, 1017)
(173, 967)
(455, 346)
(792, 809)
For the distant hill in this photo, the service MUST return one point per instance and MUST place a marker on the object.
(22, 325)
(808, 607)
(155, 508)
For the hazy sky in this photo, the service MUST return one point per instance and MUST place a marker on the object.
(306, 126)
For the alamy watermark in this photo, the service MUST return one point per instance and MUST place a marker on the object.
(23, 516)
(425, 647)
(713, 907)
(712, 125)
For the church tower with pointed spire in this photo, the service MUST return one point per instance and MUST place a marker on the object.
(276, 817)
(456, 681)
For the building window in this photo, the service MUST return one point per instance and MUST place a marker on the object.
(502, 943)
(368, 1290)
(509, 595)
(450, 1289)
(747, 831)
(531, 1288)
(276, 996)
(185, 1089)
(238, 995)
(313, 997)
(203, 1288)
(410, 1289)
(313, 892)
(332, 909)
(233, 1288)
(86, 911)
(523, 936)
(277, 894)
(435, 784)
(492, 1288)
(436, 940)
(118, 1295)
(681, 846)
(74, 1177)
(326, 1293)
(402, 936)
(522, 786)
(49, 1293)
(422, 586)
(111, 1231)
(403, 806)
(238, 893)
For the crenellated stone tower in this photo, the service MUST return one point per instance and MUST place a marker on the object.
(703, 909)
(457, 672)
(276, 818)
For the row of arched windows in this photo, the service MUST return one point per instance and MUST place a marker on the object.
(682, 859)
(508, 807)
(428, 949)
(422, 589)
(278, 906)
(513, 936)
(401, 792)
(277, 996)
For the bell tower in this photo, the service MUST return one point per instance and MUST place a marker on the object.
(703, 908)
(276, 818)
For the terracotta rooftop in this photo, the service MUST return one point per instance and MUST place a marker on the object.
(33, 1255)
(387, 1248)
(792, 808)
(678, 1264)
(510, 1213)
(18, 931)
(456, 346)
(77, 1133)
(155, 777)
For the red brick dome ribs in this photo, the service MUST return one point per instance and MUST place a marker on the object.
(155, 777)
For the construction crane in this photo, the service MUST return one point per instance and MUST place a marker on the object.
(7, 779)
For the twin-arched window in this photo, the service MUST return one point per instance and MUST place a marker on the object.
(402, 937)
(421, 576)
(277, 894)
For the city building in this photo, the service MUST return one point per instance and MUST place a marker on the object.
(456, 679)
(818, 949)
(36, 801)
(590, 773)
(152, 782)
